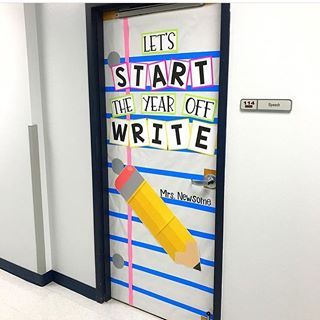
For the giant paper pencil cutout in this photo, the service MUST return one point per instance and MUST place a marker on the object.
(166, 228)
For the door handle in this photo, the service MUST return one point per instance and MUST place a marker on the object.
(209, 181)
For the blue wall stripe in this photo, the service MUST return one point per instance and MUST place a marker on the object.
(195, 233)
(167, 173)
(161, 298)
(170, 277)
(152, 247)
(181, 203)
(158, 57)
(160, 117)
(214, 88)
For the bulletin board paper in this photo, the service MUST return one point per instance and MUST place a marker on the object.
(153, 122)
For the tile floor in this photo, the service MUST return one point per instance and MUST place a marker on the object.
(20, 300)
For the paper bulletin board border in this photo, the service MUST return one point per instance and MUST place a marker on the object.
(96, 62)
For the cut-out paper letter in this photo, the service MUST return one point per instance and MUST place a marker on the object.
(178, 74)
(157, 134)
(178, 134)
(120, 76)
(201, 72)
(139, 133)
(203, 137)
(158, 75)
(119, 132)
(138, 75)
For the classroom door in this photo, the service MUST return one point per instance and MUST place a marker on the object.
(161, 74)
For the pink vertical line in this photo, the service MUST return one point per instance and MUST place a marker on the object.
(129, 162)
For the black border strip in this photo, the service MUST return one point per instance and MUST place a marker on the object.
(93, 20)
(221, 147)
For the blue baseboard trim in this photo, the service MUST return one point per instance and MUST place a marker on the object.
(43, 279)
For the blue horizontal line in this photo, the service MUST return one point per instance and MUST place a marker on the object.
(189, 205)
(203, 235)
(119, 239)
(113, 191)
(148, 89)
(138, 244)
(181, 203)
(170, 277)
(123, 216)
(161, 298)
(158, 57)
(206, 262)
(152, 247)
(195, 233)
(120, 282)
(148, 147)
(170, 301)
(148, 246)
(167, 173)
(173, 278)
(160, 117)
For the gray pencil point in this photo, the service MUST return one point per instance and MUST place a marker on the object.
(197, 267)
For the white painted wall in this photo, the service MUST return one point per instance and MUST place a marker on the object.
(63, 63)
(272, 204)
(20, 106)
(54, 95)
(17, 232)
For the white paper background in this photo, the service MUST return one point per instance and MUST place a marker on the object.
(198, 31)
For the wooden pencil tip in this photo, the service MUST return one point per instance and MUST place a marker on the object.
(197, 267)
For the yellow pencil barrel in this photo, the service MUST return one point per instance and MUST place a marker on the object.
(150, 208)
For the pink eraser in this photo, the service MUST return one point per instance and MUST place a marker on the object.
(124, 176)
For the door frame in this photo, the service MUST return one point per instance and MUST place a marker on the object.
(94, 22)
